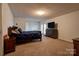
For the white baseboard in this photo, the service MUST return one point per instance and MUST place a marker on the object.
(67, 41)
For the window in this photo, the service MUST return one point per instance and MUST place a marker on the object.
(31, 26)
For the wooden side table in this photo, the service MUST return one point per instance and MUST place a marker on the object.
(9, 45)
(76, 46)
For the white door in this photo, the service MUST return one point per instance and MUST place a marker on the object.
(1, 49)
(45, 29)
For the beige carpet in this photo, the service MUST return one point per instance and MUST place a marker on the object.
(46, 47)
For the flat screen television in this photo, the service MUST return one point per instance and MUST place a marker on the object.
(51, 25)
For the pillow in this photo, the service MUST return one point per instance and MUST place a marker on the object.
(20, 30)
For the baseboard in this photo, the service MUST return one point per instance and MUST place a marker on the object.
(66, 41)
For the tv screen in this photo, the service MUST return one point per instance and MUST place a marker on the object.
(51, 25)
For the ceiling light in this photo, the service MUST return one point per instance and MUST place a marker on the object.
(40, 12)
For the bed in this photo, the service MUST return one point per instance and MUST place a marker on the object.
(28, 36)
(25, 36)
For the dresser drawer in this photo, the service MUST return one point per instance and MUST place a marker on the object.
(76, 46)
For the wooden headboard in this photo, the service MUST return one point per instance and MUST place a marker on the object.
(9, 30)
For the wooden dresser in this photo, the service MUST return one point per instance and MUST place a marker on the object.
(9, 45)
(76, 46)
(52, 32)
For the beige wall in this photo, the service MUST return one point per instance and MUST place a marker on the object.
(21, 22)
(7, 18)
(1, 47)
(68, 26)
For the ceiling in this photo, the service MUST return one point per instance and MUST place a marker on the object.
(27, 10)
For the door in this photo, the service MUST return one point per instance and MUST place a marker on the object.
(1, 49)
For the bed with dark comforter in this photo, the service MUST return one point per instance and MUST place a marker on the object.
(28, 35)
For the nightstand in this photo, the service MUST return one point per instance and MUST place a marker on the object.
(76, 46)
(9, 45)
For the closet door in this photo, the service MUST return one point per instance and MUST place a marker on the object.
(1, 42)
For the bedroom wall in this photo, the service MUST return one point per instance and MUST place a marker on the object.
(68, 26)
(7, 18)
(21, 22)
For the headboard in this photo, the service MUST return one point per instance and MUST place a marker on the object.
(9, 30)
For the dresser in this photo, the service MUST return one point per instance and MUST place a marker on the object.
(9, 45)
(52, 32)
(76, 46)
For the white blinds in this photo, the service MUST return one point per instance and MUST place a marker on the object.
(31, 26)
